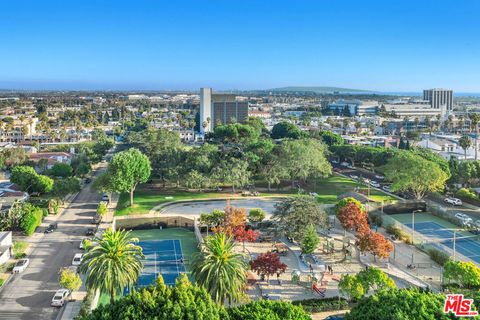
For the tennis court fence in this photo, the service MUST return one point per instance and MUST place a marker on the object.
(422, 241)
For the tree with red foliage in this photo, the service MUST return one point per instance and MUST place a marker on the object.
(352, 217)
(245, 235)
(375, 243)
(267, 264)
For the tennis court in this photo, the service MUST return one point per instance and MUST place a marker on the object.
(163, 257)
(465, 243)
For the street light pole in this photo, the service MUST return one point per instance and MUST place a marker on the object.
(413, 233)
(454, 243)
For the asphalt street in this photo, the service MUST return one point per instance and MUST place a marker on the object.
(29, 294)
(472, 211)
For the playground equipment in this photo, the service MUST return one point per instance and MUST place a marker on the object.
(296, 276)
(318, 290)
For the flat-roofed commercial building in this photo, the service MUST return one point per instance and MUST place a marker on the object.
(218, 109)
(439, 98)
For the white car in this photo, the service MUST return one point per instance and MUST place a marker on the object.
(21, 265)
(464, 218)
(354, 177)
(60, 297)
(379, 177)
(454, 201)
(345, 164)
(387, 188)
(77, 259)
(375, 184)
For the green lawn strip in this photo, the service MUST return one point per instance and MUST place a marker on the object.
(328, 190)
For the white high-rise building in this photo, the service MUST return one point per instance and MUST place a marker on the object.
(206, 124)
(439, 98)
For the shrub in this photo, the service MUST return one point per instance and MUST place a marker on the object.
(31, 220)
(438, 256)
(320, 305)
(399, 233)
(268, 310)
(2, 281)
(466, 194)
(376, 219)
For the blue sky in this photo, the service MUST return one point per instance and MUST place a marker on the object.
(250, 44)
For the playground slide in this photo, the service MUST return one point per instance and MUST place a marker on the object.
(319, 291)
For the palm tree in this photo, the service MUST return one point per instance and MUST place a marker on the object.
(219, 269)
(113, 264)
(474, 120)
(465, 142)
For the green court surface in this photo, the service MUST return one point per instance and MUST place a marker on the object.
(406, 218)
(186, 237)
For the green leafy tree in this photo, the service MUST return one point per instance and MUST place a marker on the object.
(64, 187)
(113, 264)
(127, 170)
(310, 240)
(350, 287)
(286, 130)
(304, 158)
(102, 209)
(42, 184)
(220, 270)
(158, 301)
(23, 176)
(465, 274)
(374, 279)
(61, 170)
(69, 280)
(409, 172)
(293, 214)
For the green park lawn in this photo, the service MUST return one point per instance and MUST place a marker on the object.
(328, 190)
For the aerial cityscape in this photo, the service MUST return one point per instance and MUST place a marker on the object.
(251, 160)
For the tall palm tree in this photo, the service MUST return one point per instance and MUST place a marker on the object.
(220, 270)
(474, 120)
(113, 264)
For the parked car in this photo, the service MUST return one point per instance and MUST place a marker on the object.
(51, 227)
(77, 259)
(345, 164)
(375, 184)
(466, 220)
(366, 180)
(90, 232)
(20, 266)
(105, 198)
(453, 201)
(387, 188)
(354, 177)
(60, 297)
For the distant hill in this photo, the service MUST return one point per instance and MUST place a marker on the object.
(316, 89)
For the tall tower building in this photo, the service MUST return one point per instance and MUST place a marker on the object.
(220, 109)
(439, 98)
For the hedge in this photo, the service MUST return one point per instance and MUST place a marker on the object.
(31, 220)
(268, 310)
(320, 305)
(438, 256)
